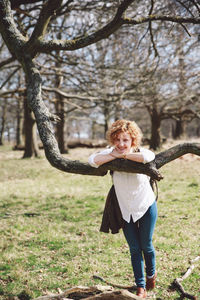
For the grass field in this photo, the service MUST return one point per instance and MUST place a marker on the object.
(49, 223)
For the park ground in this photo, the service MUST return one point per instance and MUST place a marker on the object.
(49, 223)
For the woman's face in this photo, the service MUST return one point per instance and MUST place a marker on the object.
(123, 142)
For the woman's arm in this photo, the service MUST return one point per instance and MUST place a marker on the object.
(144, 156)
(138, 157)
(102, 159)
(99, 158)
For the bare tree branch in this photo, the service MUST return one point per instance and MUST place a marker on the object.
(49, 9)
(174, 19)
(71, 96)
(187, 8)
(186, 30)
(6, 62)
(178, 285)
(78, 43)
(150, 30)
(196, 5)
(9, 77)
(11, 35)
(105, 32)
(11, 92)
(166, 156)
(17, 3)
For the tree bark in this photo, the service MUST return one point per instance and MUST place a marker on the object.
(31, 145)
(155, 141)
(19, 127)
(106, 111)
(60, 108)
(90, 293)
(180, 125)
(175, 152)
(179, 129)
(61, 124)
(3, 122)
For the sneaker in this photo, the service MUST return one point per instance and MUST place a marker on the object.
(151, 282)
(141, 292)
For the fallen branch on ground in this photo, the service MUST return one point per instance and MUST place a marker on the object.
(90, 293)
(177, 281)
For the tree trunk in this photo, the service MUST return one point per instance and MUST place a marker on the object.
(60, 126)
(155, 141)
(3, 121)
(31, 146)
(180, 125)
(106, 113)
(20, 121)
(198, 131)
(60, 111)
(93, 130)
(118, 110)
(179, 129)
(8, 134)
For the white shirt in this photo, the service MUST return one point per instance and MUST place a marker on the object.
(134, 192)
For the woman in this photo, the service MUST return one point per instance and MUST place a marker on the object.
(135, 198)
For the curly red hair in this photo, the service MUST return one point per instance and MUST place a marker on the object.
(125, 126)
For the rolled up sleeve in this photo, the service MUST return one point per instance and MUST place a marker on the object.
(91, 160)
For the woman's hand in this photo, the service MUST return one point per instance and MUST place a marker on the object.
(116, 154)
(138, 157)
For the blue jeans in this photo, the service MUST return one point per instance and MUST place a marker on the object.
(139, 238)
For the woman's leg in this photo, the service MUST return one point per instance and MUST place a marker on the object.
(131, 232)
(146, 229)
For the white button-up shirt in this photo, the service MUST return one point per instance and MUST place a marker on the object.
(134, 192)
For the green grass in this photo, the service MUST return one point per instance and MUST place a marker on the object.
(49, 224)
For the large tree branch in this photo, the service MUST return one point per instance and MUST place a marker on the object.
(48, 10)
(70, 45)
(11, 35)
(150, 18)
(37, 45)
(150, 169)
(165, 157)
(15, 40)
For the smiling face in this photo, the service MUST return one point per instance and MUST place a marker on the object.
(123, 143)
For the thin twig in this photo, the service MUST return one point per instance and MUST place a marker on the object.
(128, 287)
(151, 31)
(177, 281)
(185, 28)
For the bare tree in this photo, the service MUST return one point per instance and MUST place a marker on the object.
(25, 44)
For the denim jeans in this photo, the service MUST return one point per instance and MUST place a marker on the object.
(139, 238)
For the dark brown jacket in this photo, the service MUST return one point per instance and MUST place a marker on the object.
(112, 216)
